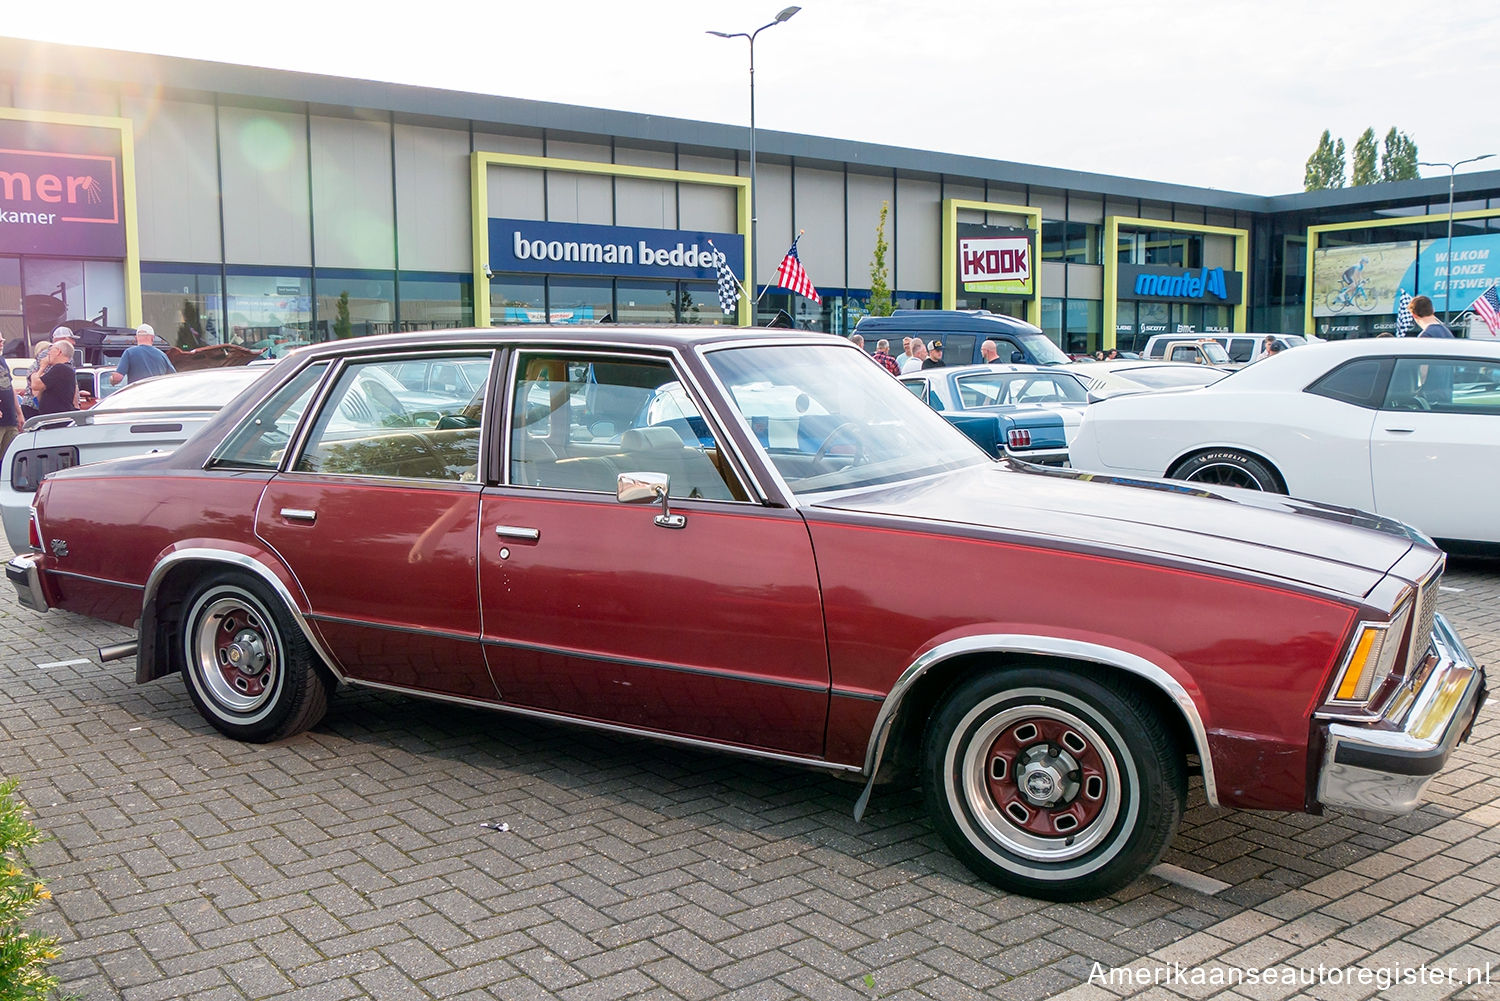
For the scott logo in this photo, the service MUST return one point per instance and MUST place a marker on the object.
(1209, 281)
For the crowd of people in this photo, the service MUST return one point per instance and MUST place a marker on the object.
(51, 381)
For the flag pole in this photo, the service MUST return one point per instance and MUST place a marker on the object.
(737, 280)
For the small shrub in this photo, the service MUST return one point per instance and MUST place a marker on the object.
(23, 955)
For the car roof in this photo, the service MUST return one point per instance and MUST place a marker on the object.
(1277, 370)
(943, 370)
(669, 336)
(978, 321)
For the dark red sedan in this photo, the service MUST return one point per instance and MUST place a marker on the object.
(762, 543)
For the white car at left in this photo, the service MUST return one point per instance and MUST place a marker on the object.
(154, 415)
(1406, 427)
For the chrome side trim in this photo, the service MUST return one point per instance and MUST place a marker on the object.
(242, 562)
(1047, 646)
(707, 745)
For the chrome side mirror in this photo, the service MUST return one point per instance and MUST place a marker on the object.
(640, 488)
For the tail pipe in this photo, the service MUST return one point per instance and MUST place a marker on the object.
(118, 651)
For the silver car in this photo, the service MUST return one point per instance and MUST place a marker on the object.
(154, 415)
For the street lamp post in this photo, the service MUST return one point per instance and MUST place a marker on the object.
(785, 15)
(1448, 276)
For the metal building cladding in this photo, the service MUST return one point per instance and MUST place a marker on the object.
(271, 208)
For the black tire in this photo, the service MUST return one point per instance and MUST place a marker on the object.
(249, 670)
(1228, 468)
(1054, 784)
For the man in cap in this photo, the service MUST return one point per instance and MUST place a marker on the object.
(934, 355)
(142, 360)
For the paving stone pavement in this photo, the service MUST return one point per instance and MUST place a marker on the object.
(354, 862)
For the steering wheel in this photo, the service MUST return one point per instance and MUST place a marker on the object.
(385, 399)
(859, 451)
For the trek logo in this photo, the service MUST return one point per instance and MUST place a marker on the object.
(45, 189)
(994, 258)
(1209, 281)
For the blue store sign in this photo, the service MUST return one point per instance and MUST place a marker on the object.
(615, 251)
(1214, 286)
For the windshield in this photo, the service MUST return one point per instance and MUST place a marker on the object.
(1043, 350)
(828, 420)
(211, 389)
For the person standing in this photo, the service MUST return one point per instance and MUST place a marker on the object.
(1421, 311)
(916, 359)
(883, 357)
(27, 397)
(143, 360)
(10, 416)
(904, 355)
(56, 385)
(934, 355)
(988, 352)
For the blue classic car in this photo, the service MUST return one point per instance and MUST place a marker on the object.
(1026, 411)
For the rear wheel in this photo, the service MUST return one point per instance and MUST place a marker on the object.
(1052, 783)
(250, 671)
(1228, 468)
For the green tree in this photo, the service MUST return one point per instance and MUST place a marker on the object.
(880, 274)
(24, 954)
(341, 326)
(1364, 171)
(1325, 168)
(1399, 160)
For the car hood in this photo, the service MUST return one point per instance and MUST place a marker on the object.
(1333, 548)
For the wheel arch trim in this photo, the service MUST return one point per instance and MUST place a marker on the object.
(1049, 646)
(228, 558)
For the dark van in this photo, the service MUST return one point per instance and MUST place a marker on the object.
(962, 331)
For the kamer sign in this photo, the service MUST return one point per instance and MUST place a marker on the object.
(58, 202)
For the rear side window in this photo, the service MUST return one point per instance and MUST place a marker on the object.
(261, 441)
(1358, 382)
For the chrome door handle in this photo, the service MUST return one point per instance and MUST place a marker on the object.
(298, 514)
(516, 532)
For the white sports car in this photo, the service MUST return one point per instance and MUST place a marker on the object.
(1408, 428)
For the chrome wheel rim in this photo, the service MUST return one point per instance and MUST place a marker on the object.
(1225, 474)
(233, 654)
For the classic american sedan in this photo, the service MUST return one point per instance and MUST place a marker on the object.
(1038, 409)
(762, 544)
(1405, 427)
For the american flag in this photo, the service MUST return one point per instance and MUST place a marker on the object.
(1404, 321)
(1488, 308)
(791, 275)
(729, 285)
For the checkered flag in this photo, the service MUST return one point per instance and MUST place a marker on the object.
(1404, 321)
(729, 285)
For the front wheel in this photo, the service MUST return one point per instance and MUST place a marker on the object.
(1228, 468)
(1052, 783)
(250, 672)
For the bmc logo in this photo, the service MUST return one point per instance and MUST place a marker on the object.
(994, 258)
(1209, 281)
(67, 187)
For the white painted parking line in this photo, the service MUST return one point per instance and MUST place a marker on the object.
(1190, 879)
(1450, 590)
(65, 663)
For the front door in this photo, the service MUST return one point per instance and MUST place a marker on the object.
(598, 609)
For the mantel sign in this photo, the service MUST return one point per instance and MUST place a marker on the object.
(996, 259)
(1212, 286)
(60, 190)
(616, 251)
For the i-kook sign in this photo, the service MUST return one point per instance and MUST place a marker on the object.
(618, 251)
(994, 259)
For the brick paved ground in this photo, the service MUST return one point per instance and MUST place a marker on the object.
(352, 863)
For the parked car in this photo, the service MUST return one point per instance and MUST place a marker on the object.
(837, 578)
(1104, 379)
(1406, 427)
(1032, 411)
(153, 415)
(1189, 349)
(962, 331)
(1246, 348)
(94, 385)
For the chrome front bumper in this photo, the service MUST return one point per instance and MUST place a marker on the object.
(22, 572)
(1385, 765)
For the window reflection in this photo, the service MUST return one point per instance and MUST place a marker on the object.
(269, 312)
(354, 304)
(182, 307)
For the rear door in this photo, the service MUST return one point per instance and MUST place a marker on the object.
(377, 518)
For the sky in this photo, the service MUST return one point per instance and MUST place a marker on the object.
(1229, 94)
